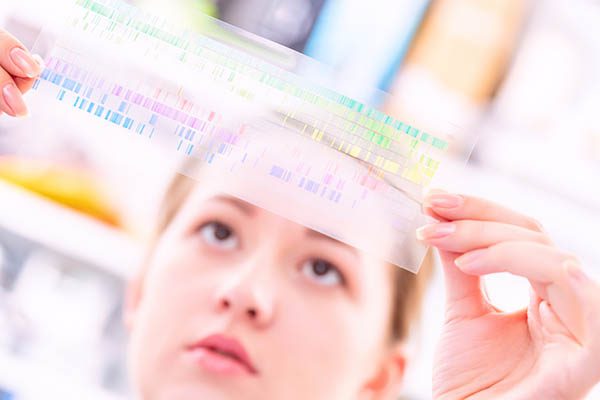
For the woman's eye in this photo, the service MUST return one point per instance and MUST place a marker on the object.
(219, 235)
(323, 272)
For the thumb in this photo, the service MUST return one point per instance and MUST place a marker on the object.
(464, 293)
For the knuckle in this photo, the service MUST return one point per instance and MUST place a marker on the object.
(499, 250)
(542, 238)
(475, 229)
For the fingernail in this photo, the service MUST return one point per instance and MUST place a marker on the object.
(14, 100)
(575, 272)
(25, 62)
(40, 61)
(428, 191)
(435, 231)
(444, 200)
(472, 260)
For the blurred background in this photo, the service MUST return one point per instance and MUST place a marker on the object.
(519, 78)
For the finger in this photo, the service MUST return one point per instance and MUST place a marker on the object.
(533, 317)
(548, 268)
(464, 293)
(24, 84)
(452, 207)
(587, 294)
(534, 261)
(16, 59)
(427, 208)
(551, 324)
(467, 235)
(11, 101)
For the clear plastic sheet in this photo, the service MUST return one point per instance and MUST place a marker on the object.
(270, 124)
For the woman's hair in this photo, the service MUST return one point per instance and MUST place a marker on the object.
(407, 291)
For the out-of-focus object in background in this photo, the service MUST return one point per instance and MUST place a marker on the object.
(594, 143)
(74, 188)
(457, 60)
(287, 22)
(544, 126)
(365, 42)
(555, 71)
(185, 12)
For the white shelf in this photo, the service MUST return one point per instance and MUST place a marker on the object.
(66, 231)
(33, 381)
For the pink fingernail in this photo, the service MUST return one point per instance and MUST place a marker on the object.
(40, 61)
(472, 260)
(435, 231)
(444, 200)
(25, 62)
(14, 100)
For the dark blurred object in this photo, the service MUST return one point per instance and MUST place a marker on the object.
(288, 22)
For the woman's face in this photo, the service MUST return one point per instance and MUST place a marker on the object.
(239, 303)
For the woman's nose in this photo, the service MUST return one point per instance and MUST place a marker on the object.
(247, 299)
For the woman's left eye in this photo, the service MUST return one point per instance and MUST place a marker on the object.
(219, 235)
(323, 272)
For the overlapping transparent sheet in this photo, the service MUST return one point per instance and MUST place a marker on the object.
(268, 123)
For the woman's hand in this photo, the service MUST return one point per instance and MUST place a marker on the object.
(18, 70)
(551, 349)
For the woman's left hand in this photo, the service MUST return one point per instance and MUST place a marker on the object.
(551, 349)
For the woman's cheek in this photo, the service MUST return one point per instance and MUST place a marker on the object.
(168, 296)
(352, 330)
(320, 328)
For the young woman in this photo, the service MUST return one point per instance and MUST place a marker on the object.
(234, 302)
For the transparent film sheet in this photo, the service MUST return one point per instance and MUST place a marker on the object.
(262, 122)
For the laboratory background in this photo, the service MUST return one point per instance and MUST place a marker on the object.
(519, 80)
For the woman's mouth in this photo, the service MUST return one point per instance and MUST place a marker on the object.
(222, 354)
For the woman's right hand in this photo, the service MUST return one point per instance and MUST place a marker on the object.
(18, 70)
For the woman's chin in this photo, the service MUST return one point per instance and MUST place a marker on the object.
(188, 391)
(190, 380)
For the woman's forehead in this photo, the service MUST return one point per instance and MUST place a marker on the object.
(326, 192)
(240, 192)
(203, 196)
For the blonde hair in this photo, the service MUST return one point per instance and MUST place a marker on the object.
(407, 288)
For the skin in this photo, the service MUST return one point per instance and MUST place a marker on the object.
(18, 70)
(551, 350)
(265, 264)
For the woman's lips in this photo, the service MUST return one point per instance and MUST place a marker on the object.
(222, 354)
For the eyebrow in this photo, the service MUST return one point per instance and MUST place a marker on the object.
(250, 210)
(241, 205)
(322, 236)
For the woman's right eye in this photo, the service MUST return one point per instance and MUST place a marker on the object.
(219, 235)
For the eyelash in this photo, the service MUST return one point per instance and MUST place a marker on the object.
(208, 237)
(331, 267)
